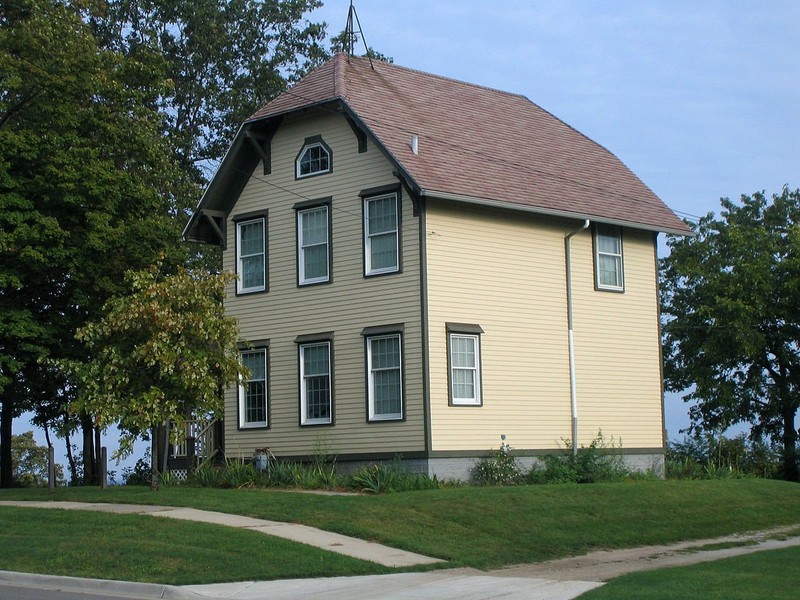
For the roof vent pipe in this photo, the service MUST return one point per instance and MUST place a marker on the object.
(573, 391)
(415, 144)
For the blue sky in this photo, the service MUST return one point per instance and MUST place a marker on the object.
(700, 99)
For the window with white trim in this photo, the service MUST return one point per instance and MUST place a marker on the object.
(385, 377)
(314, 159)
(381, 235)
(313, 245)
(316, 397)
(251, 255)
(608, 258)
(464, 351)
(253, 390)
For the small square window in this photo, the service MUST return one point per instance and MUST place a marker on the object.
(464, 364)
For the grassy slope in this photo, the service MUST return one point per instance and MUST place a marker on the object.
(492, 527)
(147, 549)
(772, 574)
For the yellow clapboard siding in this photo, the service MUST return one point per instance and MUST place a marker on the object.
(506, 273)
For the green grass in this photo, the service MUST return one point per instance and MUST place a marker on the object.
(149, 549)
(491, 527)
(772, 574)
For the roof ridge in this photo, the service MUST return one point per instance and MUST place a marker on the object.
(440, 77)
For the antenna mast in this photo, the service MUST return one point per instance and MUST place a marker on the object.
(351, 35)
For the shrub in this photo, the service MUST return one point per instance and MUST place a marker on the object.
(499, 468)
(239, 474)
(207, 476)
(379, 478)
(599, 462)
(705, 456)
(139, 474)
(374, 479)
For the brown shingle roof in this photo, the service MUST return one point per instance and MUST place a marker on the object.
(480, 143)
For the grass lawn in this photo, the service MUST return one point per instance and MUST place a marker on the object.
(148, 549)
(771, 574)
(493, 527)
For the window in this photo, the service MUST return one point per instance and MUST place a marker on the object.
(313, 240)
(384, 377)
(315, 384)
(253, 390)
(381, 235)
(251, 255)
(608, 258)
(314, 158)
(464, 356)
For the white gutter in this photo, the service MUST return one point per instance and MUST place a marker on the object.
(573, 390)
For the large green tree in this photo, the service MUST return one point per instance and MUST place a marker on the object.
(224, 59)
(731, 308)
(87, 191)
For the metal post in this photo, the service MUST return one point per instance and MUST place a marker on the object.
(103, 468)
(51, 468)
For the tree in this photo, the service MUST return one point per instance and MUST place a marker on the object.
(731, 308)
(31, 462)
(88, 189)
(224, 61)
(160, 354)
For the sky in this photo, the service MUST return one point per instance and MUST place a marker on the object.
(701, 99)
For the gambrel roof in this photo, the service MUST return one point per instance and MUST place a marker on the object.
(475, 144)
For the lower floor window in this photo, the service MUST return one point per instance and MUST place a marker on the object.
(465, 365)
(253, 390)
(384, 377)
(315, 384)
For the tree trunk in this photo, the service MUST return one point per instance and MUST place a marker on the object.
(73, 468)
(89, 462)
(790, 470)
(6, 419)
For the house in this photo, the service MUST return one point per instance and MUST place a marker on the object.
(426, 265)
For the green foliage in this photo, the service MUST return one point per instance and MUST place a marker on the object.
(30, 462)
(374, 479)
(499, 468)
(140, 473)
(732, 319)
(223, 61)
(599, 462)
(160, 353)
(239, 474)
(705, 456)
(207, 475)
(381, 478)
(88, 190)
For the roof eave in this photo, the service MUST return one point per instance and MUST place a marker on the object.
(552, 212)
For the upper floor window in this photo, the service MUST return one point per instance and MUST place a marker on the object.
(251, 255)
(253, 390)
(384, 377)
(315, 158)
(381, 234)
(464, 358)
(313, 245)
(608, 263)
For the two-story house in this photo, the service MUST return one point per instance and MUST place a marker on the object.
(425, 265)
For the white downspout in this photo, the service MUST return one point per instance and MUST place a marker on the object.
(573, 391)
